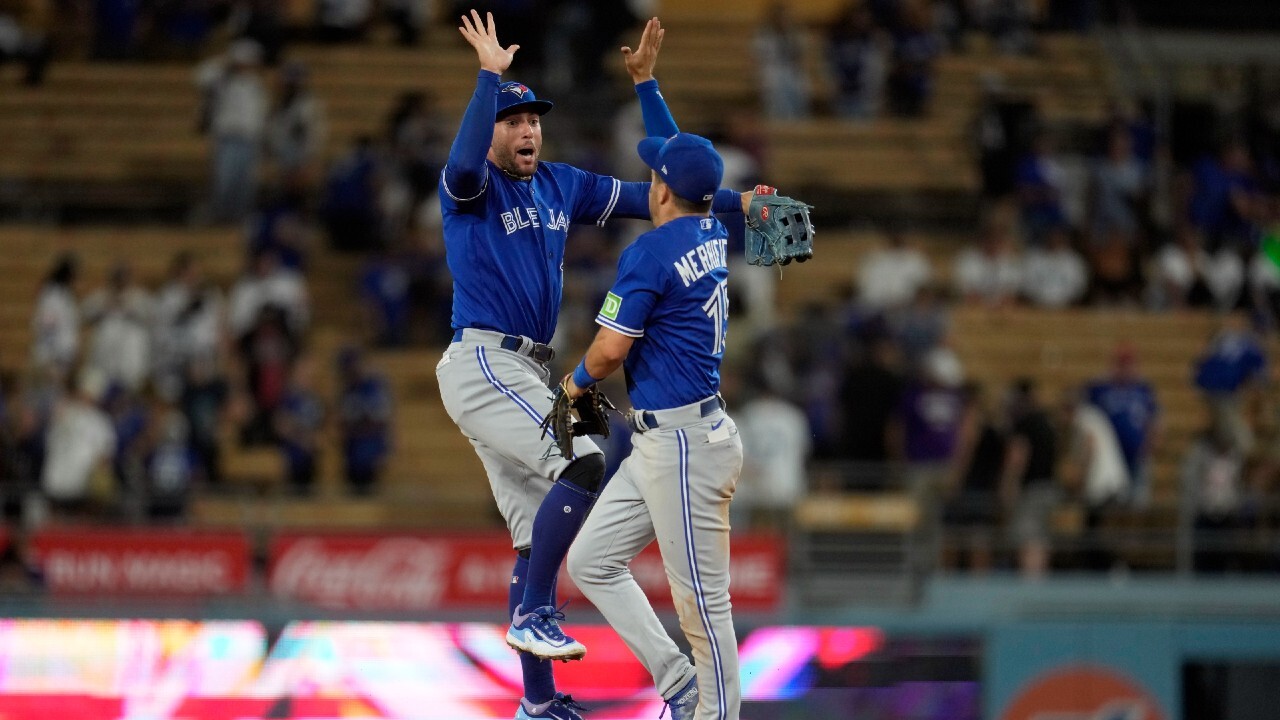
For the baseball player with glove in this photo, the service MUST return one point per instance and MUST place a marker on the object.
(666, 320)
(506, 220)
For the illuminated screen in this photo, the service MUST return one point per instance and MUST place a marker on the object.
(141, 669)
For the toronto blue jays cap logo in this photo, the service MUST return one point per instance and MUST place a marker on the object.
(514, 96)
(515, 89)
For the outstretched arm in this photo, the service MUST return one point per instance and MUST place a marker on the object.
(464, 175)
(639, 63)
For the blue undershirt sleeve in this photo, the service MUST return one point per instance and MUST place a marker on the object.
(657, 116)
(465, 175)
(633, 201)
(727, 201)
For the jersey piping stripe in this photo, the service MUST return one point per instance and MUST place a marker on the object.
(602, 320)
(613, 200)
(494, 381)
(692, 553)
(445, 184)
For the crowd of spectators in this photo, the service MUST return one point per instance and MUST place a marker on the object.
(132, 393)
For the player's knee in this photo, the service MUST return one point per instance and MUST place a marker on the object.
(587, 472)
(578, 563)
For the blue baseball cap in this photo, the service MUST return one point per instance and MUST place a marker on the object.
(517, 97)
(688, 163)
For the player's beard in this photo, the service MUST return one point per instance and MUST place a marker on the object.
(515, 165)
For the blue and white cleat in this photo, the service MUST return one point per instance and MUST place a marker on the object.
(684, 704)
(538, 633)
(561, 707)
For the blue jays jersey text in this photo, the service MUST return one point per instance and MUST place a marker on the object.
(672, 295)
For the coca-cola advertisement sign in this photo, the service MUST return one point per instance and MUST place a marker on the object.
(432, 572)
(150, 562)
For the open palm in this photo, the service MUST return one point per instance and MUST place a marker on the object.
(483, 36)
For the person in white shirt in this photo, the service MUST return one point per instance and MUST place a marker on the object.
(267, 283)
(891, 276)
(780, 46)
(1055, 276)
(991, 271)
(776, 442)
(80, 441)
(189, 324)
(1187, 275)
(236, 112)
(55, 324)
(120, 315)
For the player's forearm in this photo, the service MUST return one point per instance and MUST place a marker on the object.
(465, 172)
(602, 359)
(658, 121)
(729, 201)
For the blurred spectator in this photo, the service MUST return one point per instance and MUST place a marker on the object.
(204, 399)
(80, 445)
(268, 350)
(416, 138)
(120, 344)
(1120, 200)
(1264, 280)
(780, 47)
(990, 272)
(190, 326)
(890, 276)
(1213, 491)
(115, 28)
(1129, 402)
(857, 58)
(776, 441)
(1055, 276)
(261, 21)
(342, 21)
(365, 420)
(350, 206)
(1225, 200)
(24, 46)
(1229, 374)
(1188, 276)
(267, 284)
(298, 423)
(409, 18)
(385, 290)
(1094, 464)
(870, 392)
(235, 117)
(1029, 490)
(296, 128)
(1040, 179)
(916, 49)
(971, 510)
(130, 418)
(55, 324)
(1000, 132)
(926, 429)
(172, 468)
(922, 325)
(281, 227)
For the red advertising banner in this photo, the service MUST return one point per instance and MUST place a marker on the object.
(433, 572)
(135, 562)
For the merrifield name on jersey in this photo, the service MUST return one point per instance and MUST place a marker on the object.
(519, 218)
(701, 260)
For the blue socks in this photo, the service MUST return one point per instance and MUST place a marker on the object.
(539, 682)
(561, 514)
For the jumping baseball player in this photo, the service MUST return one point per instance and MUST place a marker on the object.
(506, 219)
(666, 320)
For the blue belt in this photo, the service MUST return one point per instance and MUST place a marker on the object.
(515, 343)
(650, 420)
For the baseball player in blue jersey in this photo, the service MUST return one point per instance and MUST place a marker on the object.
(665, 321)
(506, 219)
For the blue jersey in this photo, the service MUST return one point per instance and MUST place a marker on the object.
(1131, 407)
(505, 238)
(672, 295)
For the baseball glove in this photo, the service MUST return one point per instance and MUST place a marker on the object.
(593, 419)
(778, 229)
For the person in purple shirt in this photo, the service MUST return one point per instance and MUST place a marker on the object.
(1129, 402)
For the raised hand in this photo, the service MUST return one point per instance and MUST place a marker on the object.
(483, 36)
(640, 62)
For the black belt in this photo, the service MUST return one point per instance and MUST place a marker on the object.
(708, 407)
(514, 343)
